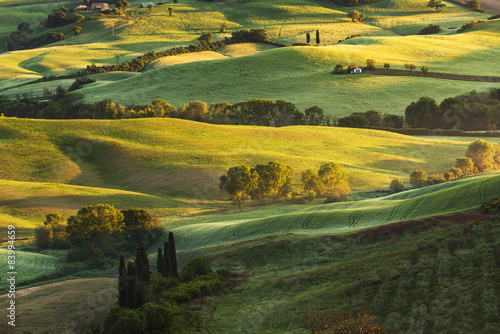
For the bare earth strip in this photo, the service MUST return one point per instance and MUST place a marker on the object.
(418, 73)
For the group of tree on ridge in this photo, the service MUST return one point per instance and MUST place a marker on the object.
(273, 181)
(480, 157)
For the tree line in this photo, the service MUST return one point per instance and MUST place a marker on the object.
(273, 181)
(138, 64)
(480, 157)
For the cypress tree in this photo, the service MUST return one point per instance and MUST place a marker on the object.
(130, 286)
(166, 257)
(142, 264)
(122, 283)
(171, 251)
(317, 37)
(308, 38)
(160, 263)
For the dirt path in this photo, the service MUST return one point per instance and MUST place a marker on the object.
(417, 73)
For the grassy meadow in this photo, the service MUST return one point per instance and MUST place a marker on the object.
(382, 254)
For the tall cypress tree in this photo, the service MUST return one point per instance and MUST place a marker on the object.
(166, 252)
(131, 281)
(308, 38)
(142, 264)
(171, 252)
(160, 263)
(122, 283)
(317, 37)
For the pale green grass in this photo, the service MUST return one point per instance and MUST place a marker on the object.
(64, 306)
(302, 75)
(243, 49)
(451, 197)
(185, 58)
(28, 265)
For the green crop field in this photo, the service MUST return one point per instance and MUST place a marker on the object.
(447, 198)
(299, 75)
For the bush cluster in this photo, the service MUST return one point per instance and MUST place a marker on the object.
(431, 29)
(469, 25)
(352, 3)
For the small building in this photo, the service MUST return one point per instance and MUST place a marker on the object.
(99, 6)
(357, 70)
(146, 4)
(80, 8)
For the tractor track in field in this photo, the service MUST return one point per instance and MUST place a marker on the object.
(354, 218)
(305, 224)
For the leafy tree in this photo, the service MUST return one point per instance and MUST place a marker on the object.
(150, 7)
(176, 1)
(355, 15)
(397, 185)
(436, 4)
(354, 121)
(76, 30)
(310, 180)
(239, 182)
(23, 26)
(332, 180)
(410, 67)
(424, 113)
(196, 267)
(317, 37)
(172, 255)
(466, 165)
(95, 224)
(308, 38)
(387, 66)
(77, 18)
(194, 110)
(206, 38)
(474, 5)
(482, 154)
(125, 321)
(314, 115)
(418, 178)
(57, 18)
(424, 69)
(122, 4)
(392, 121)
(370, 64)
(274, 181)
(170, 11)
(374, 118)
(339, 69)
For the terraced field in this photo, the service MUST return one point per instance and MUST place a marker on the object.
(446, 198)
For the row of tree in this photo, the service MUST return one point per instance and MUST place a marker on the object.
(470, 112)
(274, 181)
(480, 157)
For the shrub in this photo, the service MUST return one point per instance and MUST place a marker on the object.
(397, 185)
(431, 29)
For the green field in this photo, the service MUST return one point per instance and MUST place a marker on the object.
(300, 75)
(451, 197)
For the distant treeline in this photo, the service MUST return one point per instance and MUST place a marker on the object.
(351, 3)
(262, 112)
(471, 111)
(138, 64)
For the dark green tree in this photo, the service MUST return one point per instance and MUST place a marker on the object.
(397, 185)
(76, 30)
(436, 4)
(172, 254)
(160, 263)
(166, 257)
(418, 178)
(131, 285)
(239, 182)
(317, 37)
(206, 38)
(122, 282)
(474, 5)
(23, 26)
(308, 38)
(314, 116)
(142, 264)
(122, 4)
(170, 11)
(425, 113)
(355, 15)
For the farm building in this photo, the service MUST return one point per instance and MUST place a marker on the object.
(99, 6)
(357, 71)
(146, 4)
